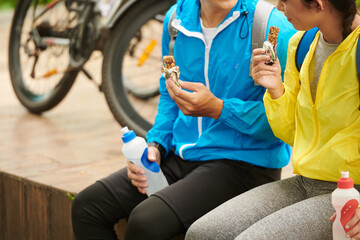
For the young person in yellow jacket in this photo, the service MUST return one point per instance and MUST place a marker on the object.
(317, 112)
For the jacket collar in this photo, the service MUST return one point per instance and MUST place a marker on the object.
(350, 40)
(188, 14)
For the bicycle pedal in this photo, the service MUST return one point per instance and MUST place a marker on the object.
(44, 29)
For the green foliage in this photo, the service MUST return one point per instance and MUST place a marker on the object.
(70, 196)
(9, 4)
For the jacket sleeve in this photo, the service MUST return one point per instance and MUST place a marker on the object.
(249, 117)
(281, 111)
(161, 132)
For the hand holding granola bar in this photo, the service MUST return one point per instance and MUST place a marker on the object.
(170, 70)
(271, 43)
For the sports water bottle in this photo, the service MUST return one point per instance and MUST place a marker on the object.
(135, 150)
(345, 200)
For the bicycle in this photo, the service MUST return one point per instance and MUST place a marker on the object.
(50, 43)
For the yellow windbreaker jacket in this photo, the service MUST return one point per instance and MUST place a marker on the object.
(325, 134)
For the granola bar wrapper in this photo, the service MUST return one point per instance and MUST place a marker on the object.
(170, 70)
(271, 51)
(271, 44)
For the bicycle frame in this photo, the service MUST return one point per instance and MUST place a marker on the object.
(119, 7)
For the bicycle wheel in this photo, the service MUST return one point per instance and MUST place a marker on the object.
(134, 55)
(40, 76)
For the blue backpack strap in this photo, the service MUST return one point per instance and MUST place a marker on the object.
(304, 46)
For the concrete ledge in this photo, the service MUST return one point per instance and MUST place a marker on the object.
(34, 211)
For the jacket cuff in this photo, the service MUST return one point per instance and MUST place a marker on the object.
(225, 113)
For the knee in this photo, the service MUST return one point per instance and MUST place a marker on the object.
(140, 226)
(78, 206)
(197, 231)
(210, 226)
(86, 203)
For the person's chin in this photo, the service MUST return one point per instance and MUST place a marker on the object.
(299, 27)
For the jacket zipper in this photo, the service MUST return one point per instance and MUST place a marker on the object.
(314, 108)
(227, 22)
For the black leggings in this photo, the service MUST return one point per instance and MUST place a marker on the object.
(94, 219)
(196, 187)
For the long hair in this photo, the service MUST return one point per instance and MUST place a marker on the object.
(347, 9)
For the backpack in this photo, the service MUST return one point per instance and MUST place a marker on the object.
(262, 13)
(304, 46)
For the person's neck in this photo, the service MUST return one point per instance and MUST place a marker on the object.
(356, 22)
(211, 16)
(332, 29)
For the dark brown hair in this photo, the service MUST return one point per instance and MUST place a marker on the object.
(347, 9)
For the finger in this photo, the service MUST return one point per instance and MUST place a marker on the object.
(192, 86)
(263, 66)
(261, 58)
(258, 51)
(153, 154)
(354, 231)
(174, 88)
(136, 177)
(258, 76)
(139, 184)
(142, 190)
(168, 88)
(184, 106)
(179, 93)
(135, 169)
(332, 218)
(354, 220)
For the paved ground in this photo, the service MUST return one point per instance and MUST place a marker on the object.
(68, 147)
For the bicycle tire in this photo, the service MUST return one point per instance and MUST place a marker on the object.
(35, 103)
(113, 85)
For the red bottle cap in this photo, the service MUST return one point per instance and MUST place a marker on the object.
(345, 181)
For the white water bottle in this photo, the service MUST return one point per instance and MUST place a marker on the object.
(345, 200)
(135, 150)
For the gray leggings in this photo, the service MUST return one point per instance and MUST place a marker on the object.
(295, 208)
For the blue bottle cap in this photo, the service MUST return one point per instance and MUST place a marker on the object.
(128, 135)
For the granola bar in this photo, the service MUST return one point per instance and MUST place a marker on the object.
(169, 62)
(273, 35)
(271, 43)
(170, 70)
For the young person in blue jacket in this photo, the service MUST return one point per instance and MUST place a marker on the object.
(211, 139)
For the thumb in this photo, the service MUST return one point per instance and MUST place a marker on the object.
(151, 154)
(332, 218)
(190, 85)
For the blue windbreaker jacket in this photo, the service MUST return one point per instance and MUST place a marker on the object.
(242, 132)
